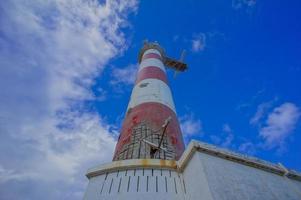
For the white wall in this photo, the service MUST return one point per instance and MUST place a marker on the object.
(152, 184)
(228, 180)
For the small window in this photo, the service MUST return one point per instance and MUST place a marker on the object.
(142, 85)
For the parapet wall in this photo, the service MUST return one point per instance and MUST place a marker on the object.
(136, 179)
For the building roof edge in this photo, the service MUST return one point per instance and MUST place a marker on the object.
(235, 157)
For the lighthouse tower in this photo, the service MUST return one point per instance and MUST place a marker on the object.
(151, 128)
(150, 162)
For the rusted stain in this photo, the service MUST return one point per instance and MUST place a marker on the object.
(144, 162)
(163, 163)
(168, 163)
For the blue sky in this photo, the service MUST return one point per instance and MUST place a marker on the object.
(67, 70)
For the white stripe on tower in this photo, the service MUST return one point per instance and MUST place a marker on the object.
(152, 51)
(152, 89)
(152, 62)
(155, 62)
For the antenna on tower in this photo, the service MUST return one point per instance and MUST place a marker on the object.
(180, 60)
(177, 65)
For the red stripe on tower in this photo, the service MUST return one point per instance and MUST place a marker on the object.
(151, 72)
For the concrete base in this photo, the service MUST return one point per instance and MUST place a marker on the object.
(203, 172)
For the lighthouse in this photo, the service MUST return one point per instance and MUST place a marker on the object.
(150, 160)
(151, 128)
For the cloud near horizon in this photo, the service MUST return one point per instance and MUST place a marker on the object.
(190, 126)
(229, 136)
(198, 43)
(279, 125)
(50, 53)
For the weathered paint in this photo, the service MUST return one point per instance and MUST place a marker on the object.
(155, 114)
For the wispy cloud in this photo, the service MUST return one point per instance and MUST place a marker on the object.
(229, 136)
(198, 43)
(191, 126)
(126, 75)
(240, 4)
(262, 109)
(227, 128)
(175, 38)
(225, 139)
(100, 94)
(50, 53)
(279, 125)
(248, 148)
(249, 103)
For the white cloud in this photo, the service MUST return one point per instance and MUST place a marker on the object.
(190, 125)
(229, 136)
(175, 38)
(227, 128)
(215, 139)
(50, 53)
(247, 104)
(240, 4)
(248, 148)
(126, 75)
(64, 151)
(260, 113)
(228, 140)
(225, 139)
(100, 94)
(280, 124)
(198, 42)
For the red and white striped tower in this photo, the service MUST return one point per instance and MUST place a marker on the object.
(145, 163)
(151, 128)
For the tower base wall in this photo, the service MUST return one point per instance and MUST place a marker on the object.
(203, 172)
(136, 179)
